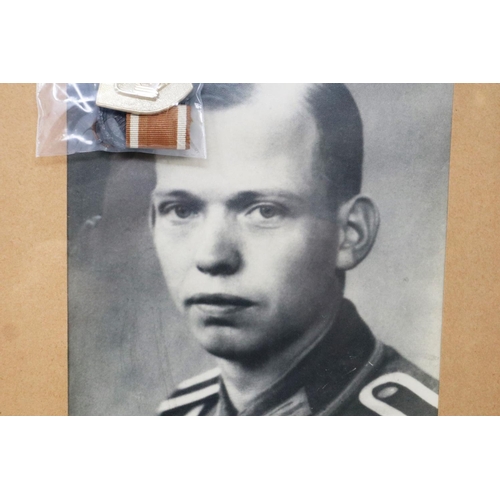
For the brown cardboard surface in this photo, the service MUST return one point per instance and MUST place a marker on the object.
(470, 364)
(33, 326)
(33, 318)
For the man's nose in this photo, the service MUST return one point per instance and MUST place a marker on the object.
(218, 251)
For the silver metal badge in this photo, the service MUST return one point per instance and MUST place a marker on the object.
(142, 98)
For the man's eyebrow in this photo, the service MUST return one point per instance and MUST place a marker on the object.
(176, 193)
(248, 197)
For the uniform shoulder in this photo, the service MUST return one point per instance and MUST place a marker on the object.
(398, 387)
(192, 395)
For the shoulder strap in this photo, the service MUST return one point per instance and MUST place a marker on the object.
(399, 394)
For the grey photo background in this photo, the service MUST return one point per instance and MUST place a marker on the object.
(128, 347)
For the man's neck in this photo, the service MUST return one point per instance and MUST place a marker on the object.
(245, 381)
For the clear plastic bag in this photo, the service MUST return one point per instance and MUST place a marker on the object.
(70, 121)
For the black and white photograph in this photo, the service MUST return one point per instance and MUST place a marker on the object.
(297, 270)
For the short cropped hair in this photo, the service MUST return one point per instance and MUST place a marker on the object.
(339, 152)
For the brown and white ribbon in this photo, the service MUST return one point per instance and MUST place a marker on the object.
(167, 130)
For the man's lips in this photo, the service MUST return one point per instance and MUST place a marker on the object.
(218, 304)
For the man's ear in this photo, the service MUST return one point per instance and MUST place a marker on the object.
(358, 221)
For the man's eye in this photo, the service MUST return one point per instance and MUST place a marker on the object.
(183, 212)
(267, 212)
(177, 211)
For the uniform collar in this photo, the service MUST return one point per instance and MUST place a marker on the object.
(320, 377)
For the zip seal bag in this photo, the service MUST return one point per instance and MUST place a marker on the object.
(155, 118)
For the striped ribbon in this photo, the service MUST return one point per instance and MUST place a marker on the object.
(167, 130)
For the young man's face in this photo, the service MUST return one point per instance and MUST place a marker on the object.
(246, 242)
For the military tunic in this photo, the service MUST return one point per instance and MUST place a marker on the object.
(349, 372)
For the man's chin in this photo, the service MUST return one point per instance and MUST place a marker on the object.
(227, 342)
